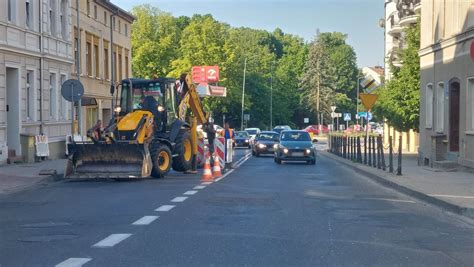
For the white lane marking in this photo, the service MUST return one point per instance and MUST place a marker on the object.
(243, 161)
(206, 183)
(165, 208)
(179, 199)
(111, 240)
(197, 187)
(190, 192)
(223, 176)
(452, 196)
(145, 220)
(73, 262)
(390, 199)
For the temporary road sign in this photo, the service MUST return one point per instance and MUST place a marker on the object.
(347, 116)
(368, 100)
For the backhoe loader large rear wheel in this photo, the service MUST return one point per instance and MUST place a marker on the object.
(161, 158)
(183, 151)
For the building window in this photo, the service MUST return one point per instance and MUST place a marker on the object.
(88, 7)
(429, 106)
(52, 17)
(28, 13)
(126, 29)
(11, 10)
(126, 67)
(52, 96)
(113, 23)
(470, 104)
(95, 12)
(120, 27)
(106, 61)
(63, 20)
(119, 65)
(105, 17)
(96, 55)
(76, 44)
(30, 95)
(63, 107)
(440, 108)
(89, 59)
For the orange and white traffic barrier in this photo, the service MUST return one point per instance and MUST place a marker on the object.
(216, 169)
(207, 173)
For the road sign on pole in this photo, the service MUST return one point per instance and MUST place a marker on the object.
(347, 116)
(333, 108)
(306, 120)
(368, 100)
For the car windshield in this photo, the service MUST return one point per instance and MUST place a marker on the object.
(253, 132)
(242, 134)
(268, 136)
(295, 136)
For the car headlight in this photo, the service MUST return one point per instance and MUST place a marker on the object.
(285, 150)
(261, 146)
(246, 140)
(308, 151)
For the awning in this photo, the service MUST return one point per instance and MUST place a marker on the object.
(87, 101)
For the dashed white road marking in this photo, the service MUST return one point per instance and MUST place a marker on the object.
(206, 183)
(145, 220)
(390, 199)
(452, 196)
(111, 240)
(179, 199)
(197, 187)
(73, 262)
(190, 192)
(165, 208)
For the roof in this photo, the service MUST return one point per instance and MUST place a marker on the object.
(268, 132)
(116, 10)
(380, 71)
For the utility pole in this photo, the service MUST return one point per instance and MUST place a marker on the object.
(243, 97)
(112, 59)
(357, 100)
(271, 96)
(78, 69)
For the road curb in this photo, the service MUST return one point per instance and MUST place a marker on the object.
(378, 177)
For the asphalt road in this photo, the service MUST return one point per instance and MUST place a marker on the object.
(261, 214)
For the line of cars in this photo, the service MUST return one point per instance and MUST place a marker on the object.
(283, 143)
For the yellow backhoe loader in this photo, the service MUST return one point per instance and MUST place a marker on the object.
(152, 131)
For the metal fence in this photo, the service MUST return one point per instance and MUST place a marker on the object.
(368, 150)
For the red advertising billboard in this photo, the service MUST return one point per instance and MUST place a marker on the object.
(205, 74)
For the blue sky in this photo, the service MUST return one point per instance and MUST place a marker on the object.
(357, 18)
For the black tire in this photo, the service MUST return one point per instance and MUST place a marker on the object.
(253, 153)
(278, 161)
(161, 158)
(183, 161)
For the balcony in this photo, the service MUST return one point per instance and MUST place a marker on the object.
(395, 28)
(417, 7)
(406, 11)
(408, 20)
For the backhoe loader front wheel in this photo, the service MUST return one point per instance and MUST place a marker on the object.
(183, 150)
(161, 158)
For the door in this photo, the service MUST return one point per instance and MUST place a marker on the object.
(454, 110)
(13, 109)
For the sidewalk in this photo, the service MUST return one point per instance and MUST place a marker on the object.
(15, 177)
(453, 191)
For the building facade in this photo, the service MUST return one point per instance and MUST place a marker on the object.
(447, 83)
(399, 14)
(97, 58)
(37, 54)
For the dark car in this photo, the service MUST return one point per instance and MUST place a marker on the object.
(281, 128)
(264, 143)
(295, 146)
(242, 139)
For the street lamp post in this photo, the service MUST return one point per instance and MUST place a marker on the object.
(243, 97)
(271, 96)
(357, 100)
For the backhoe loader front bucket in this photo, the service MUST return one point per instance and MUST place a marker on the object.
(120, 160)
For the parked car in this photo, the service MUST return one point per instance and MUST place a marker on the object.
(280, 128)
(242, 139)
(264, 143)
(295, 146)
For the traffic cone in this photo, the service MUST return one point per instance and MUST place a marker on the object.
(216, 169)
(207, 173)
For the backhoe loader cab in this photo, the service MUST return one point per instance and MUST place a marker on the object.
(145, 137)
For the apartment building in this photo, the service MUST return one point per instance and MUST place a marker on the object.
(36, 56)
(96, 57)
(399, 14)
(447, 83)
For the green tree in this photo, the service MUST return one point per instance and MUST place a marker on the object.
(399, 99)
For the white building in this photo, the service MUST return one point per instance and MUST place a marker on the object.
(36, 55)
